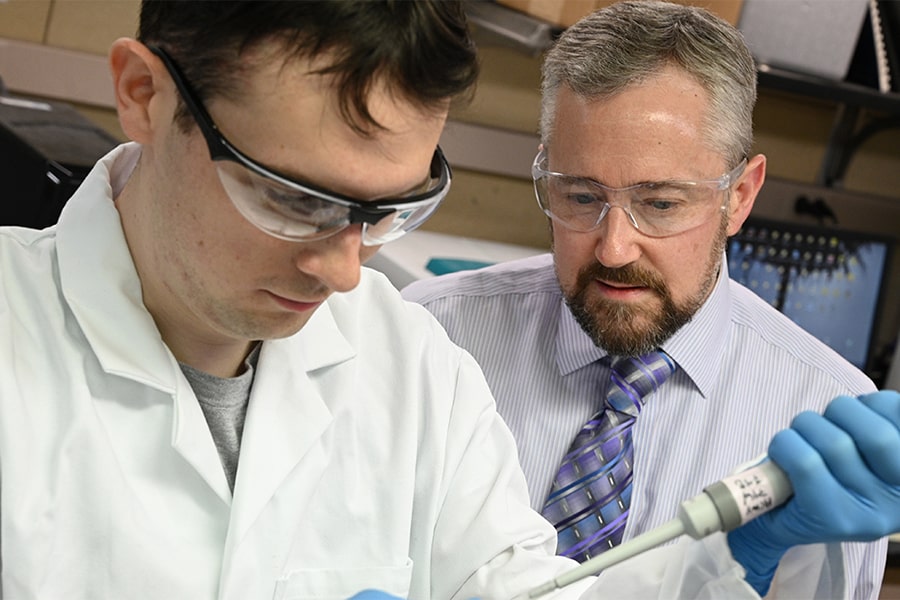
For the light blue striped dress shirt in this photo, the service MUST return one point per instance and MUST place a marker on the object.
(744, 371)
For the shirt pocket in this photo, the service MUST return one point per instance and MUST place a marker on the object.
(340, 584)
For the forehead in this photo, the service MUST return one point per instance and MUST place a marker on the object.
(652, 130)
(287, 115)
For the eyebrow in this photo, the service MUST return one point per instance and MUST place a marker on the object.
(293, 177)
(316, 188)
(678, 184)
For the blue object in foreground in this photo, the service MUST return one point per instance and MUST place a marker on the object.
(374, 595)
(844, 466)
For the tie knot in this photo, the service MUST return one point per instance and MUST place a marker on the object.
(636, 377)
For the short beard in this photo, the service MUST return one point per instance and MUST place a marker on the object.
(615, 326)
(625, 330)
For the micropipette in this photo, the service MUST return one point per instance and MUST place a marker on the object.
(723, 506)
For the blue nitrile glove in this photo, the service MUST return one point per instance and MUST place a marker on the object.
(374, 595)
(844, 467)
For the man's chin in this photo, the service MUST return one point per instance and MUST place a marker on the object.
(276, 327)
(623, 329)
(638, 315)
(630, 342)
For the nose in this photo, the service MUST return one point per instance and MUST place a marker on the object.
(617, 244)
(335, 261)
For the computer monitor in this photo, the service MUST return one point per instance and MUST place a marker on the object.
(828, 281)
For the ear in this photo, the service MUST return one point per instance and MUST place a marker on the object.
(743, 193)
(138, 78)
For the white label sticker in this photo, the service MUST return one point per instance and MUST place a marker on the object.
(752, 492)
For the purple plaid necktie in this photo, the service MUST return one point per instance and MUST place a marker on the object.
(591, 493)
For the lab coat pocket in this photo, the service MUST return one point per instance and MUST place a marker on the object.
(340, 584)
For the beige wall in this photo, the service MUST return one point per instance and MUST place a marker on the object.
(88, 25)
(84, 26)
(24, 19)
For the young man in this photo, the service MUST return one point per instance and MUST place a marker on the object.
(645, 169)
(203, 395)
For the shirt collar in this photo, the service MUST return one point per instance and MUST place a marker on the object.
(99, 280)
(698, 347)
(574, 348)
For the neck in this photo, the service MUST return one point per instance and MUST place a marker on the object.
(219, 359)
(191, 339)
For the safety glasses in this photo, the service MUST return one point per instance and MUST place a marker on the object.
(656, 209)
(296, 211)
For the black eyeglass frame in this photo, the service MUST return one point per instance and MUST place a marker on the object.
(361, 211)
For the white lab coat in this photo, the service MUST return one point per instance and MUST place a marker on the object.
(371, 457)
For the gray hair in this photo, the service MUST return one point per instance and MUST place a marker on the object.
(630, 41)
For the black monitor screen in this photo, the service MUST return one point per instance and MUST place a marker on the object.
(828, 281)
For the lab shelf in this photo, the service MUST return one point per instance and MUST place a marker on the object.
(771, 78)
(861, 112)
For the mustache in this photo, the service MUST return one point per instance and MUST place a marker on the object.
(628, 275)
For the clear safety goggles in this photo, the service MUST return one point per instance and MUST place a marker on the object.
(656, 209)
(296, 211)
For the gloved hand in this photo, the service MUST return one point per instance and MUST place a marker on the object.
(844, 467)
(373, 595)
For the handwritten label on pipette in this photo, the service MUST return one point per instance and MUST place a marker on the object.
(753, 494)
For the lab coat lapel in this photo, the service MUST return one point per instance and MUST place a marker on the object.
(287, 415)
(192, 439)
(100, 282)
(101, 286)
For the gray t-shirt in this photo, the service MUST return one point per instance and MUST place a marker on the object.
(224, 403)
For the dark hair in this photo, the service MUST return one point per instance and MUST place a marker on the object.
(422, 48)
